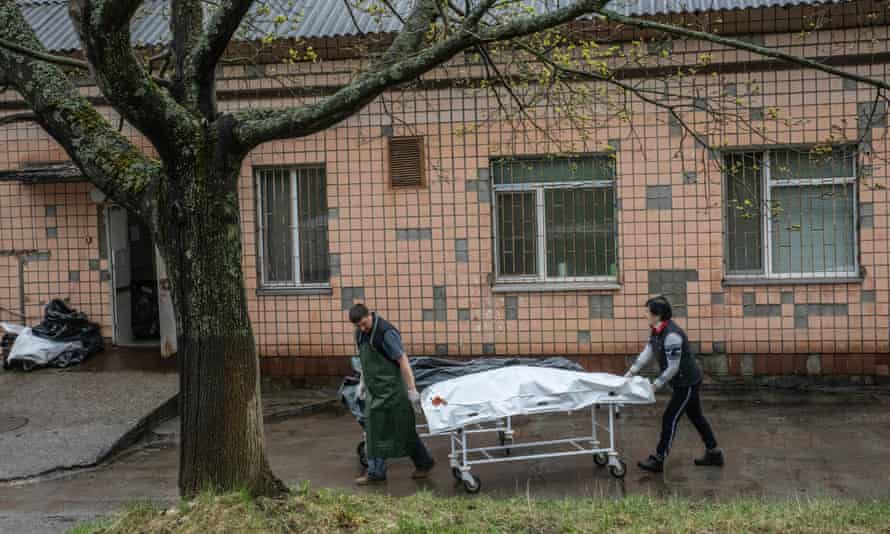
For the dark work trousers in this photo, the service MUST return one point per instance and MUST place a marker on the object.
(421, 458)
(684, 400)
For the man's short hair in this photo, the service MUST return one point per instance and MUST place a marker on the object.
(358, 312)
(661, 307)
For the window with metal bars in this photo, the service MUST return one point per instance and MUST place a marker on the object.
(555, 219)
(406, 165)
(292, 227)
(791, 213)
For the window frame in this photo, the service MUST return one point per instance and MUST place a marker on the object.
(542, 279)
(298, 285)
(766, 219)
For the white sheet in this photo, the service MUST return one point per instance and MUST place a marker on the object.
(522, 390)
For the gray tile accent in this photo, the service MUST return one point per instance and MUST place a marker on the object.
(414, 234)
(429, 315)
(866, 215)
(348, 295)
(333, 213)
(731, 89)
(754, 39)
(762, 310)
(674, 125)
(463, 314)
(38, 256)
(480, 187)
(672, 284)
(74, 276)
(719, 347)
(461, 251)
(601, 306)
(52, 232)
(488, 348)
(105, 276)
(334, 264)
(50, 211)
(871, 114)
(440, 303)
(701, 103)
(511, 308)
(441, 349)
(869, 296)
(386, 130)
(748, 299)
(801, 322)
(483, 174)
(690, 177)
(615, 144)
(850, 85)
(658, 197)
(583, 337)
(95, 265)
(820, 310)
(787, 297)
(755, 113)
(717, 298)
(255, 70)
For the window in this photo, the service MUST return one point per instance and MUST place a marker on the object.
(555, 219)
(406, 162)
(293, 227)
(791, 213)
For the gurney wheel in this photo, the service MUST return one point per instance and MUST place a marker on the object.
(600, 459)
(455, 472)
(362, 454)
(618, 471)
(474, 486)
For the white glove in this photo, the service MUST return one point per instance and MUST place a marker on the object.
(657, 384)
(414, 397)
(629, 373)
(361, 388)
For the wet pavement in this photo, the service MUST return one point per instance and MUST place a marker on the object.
(778, 445)
(60, 419)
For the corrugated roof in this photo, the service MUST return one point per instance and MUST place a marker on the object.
(328, 18)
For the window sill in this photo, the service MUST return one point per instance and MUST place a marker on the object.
(541, 287)
(729, 282)
(294, 291)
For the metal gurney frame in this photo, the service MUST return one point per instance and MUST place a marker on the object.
(463, 456)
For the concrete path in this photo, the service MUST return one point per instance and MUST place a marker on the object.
(778, 446)
(52, 420)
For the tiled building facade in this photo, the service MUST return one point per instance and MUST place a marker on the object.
(534, 238)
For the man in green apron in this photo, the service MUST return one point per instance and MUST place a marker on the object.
(390, 397)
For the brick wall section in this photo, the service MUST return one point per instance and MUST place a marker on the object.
(424, 257)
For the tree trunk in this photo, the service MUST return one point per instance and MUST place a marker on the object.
(222, 444)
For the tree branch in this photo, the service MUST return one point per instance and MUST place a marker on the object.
(16, 118)
(49, 58)
(741, 45)
(402, 62)
(186, 24)
(104, 29)
(107, 158)
(220, 29)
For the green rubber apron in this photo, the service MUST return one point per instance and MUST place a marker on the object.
(389, 429)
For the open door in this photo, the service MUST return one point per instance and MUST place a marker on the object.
(119, 244)
(165, 310)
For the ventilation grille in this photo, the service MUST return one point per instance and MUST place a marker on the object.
(406, 161)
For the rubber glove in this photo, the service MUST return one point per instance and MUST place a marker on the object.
(414, 397)
(361, 388)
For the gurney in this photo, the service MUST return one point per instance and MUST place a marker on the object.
(459, 407)
(429, 371)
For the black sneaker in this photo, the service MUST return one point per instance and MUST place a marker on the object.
(712, 457)
(652, 463)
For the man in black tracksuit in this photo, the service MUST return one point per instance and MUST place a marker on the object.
(670, 346)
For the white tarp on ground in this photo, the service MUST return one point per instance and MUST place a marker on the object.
(522, 390)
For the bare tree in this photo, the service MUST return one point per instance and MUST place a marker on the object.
(188, 195)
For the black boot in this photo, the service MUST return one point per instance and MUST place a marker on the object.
(712, 457)
(652, 463)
